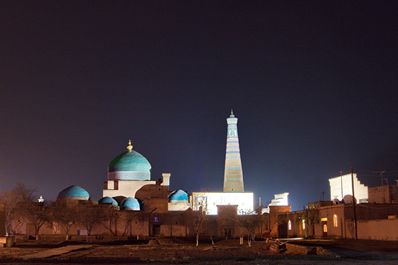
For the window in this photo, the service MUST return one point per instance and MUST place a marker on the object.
(303, 223)
(325, 228)
(289, 225)
(335, 222)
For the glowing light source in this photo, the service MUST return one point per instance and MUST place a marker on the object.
(209, 201)
(335, 221)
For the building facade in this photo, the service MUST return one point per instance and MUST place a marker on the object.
(329, 220)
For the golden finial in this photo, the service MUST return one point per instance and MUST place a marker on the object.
(130, 146)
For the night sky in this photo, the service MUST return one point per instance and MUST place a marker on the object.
(313, 83)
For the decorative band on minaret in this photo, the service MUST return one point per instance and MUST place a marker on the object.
(233, 176)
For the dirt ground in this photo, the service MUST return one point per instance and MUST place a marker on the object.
(224, 252)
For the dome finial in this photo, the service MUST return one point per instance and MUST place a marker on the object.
(232, 113)
(130, 146)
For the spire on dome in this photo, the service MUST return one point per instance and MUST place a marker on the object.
(232, 113)
(130, 146)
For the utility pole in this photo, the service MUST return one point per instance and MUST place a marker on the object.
(341, 184)
(382, 179)
(354, 205)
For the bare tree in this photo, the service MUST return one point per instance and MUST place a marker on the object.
(312, 216)
(198, 224)
(89, 216)
(11, 201)
(35, 213)
(130, 216)
(111, 216)
(64, 215)
(249, 223)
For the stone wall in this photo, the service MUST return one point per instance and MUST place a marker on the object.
(378, 229)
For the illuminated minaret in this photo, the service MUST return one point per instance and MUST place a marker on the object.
(233, 176)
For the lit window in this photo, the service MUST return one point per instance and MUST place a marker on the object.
(335, 223)
(303, 223)
(289, 225)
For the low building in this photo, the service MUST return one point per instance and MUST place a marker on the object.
(328, 220)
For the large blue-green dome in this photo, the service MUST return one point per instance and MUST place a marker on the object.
(129, 161)
(74, 192)
(129, 165)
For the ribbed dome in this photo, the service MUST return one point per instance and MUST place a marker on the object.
(108, 200)
(131, 204)
(178, 195)
(74, 192)
(129, 161)
(129, 165)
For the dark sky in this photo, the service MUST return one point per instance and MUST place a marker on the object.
(313, 83)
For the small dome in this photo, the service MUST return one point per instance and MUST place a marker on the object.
(74, 192)
(178, 196)
(129, 165)
(108, 200)
(131, 204)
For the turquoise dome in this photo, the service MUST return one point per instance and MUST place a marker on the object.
(129, 161)
(74, 192)
(129, 165)
(108, 200)
(130, 204)
(178, 196)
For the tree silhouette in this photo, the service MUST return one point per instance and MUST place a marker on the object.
(12, 201)
(90, 215)
(64, 215)
(111, 216)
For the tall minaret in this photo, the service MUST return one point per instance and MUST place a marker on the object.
(233, 176)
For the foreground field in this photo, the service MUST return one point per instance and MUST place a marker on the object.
(166, 252)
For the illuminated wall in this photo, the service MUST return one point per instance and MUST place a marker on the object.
(280, 199)
(126, 188)
(210, 200)
(342, 185)
(179, 206)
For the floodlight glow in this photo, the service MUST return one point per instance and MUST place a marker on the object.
(209, 201)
